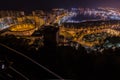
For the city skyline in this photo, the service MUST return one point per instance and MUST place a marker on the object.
(59, 39)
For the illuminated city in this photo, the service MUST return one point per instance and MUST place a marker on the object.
(75, 41)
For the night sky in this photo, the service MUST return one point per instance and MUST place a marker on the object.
(48, 4)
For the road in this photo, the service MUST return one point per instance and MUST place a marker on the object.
(27, 66)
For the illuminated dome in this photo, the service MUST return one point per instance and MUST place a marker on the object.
(22, 27)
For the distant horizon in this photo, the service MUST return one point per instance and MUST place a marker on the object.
(49, 9)
(28, 5)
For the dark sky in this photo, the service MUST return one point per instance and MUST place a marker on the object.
(47, 4)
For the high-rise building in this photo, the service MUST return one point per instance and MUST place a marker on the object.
(51, 34)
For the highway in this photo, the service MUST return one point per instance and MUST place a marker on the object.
(31, 67)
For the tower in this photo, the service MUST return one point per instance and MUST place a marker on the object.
(51, 36)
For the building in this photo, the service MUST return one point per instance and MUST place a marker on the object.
(51, 34)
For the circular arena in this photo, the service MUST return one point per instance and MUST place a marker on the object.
(22, 27)
(21, 30)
